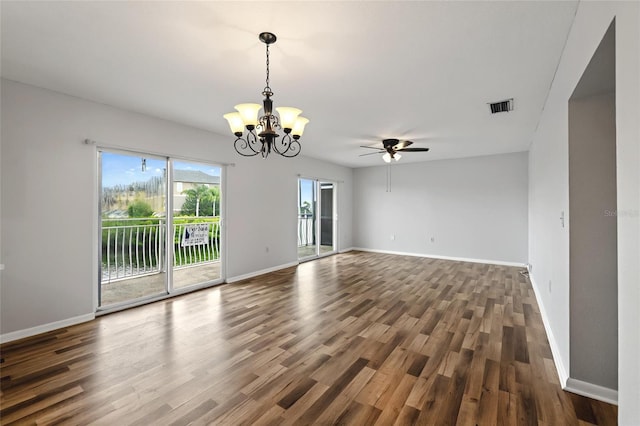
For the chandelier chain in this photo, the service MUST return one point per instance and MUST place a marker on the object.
(267, 88)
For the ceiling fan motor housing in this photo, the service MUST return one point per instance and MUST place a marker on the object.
(389, 143)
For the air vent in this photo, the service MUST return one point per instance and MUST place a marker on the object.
(501, 106)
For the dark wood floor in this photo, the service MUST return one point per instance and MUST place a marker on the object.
(356, 338)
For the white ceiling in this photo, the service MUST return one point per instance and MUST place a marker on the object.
(361, 71)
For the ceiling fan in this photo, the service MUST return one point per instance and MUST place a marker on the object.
(392, 148)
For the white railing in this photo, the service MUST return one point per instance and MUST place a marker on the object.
(187, 255)
(134, 247)
(306, 230)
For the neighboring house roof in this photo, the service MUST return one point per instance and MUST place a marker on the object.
(195, 176)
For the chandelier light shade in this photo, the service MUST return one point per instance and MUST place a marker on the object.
(257, 134)
(298, 127)
(235, 122)
(288, 116)
(249, 113)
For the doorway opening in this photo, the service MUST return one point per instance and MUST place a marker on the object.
(593, 258)
(316, 218)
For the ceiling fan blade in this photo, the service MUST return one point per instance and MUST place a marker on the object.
(371, 153)
(402, 145)
(413, 150)
(372, 147)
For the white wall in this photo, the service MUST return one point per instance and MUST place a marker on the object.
(548, 192)
(593, 256)
(1, 259)
(49, 192)
(473, 208)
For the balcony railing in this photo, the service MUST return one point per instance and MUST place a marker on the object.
(134, 247)
(306, 230)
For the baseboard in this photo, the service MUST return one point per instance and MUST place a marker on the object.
(261, 272)
(592, 391)
(435, 256)
(563, 375)
(567, 383)
(29, 332)
(346, 250)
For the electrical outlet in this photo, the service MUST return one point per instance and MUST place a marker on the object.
(549, 286)
(266, 249)
(432, 239)
(393, 237)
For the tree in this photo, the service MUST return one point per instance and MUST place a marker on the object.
(139, 208)
(305, 209)
(201, 201)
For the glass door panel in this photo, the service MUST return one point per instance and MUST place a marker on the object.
(326, 218)
(196, 223)
(132, 227)
(306, 218)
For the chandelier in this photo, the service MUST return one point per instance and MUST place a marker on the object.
(261, 137)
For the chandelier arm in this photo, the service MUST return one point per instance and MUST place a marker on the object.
(252, 137)
(245, 147)
(285, 142)
(265, 150)
(293, 147)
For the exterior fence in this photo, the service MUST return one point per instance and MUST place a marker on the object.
(134, 247)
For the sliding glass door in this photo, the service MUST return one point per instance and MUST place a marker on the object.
(196, 223)
(316, 218)
(146, 253)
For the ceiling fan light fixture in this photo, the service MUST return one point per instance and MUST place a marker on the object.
(248, 117)
(391, 149)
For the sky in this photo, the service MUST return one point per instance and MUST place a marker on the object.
(306, 191)
(123, 169)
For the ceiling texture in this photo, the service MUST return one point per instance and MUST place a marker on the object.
(360, 71)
